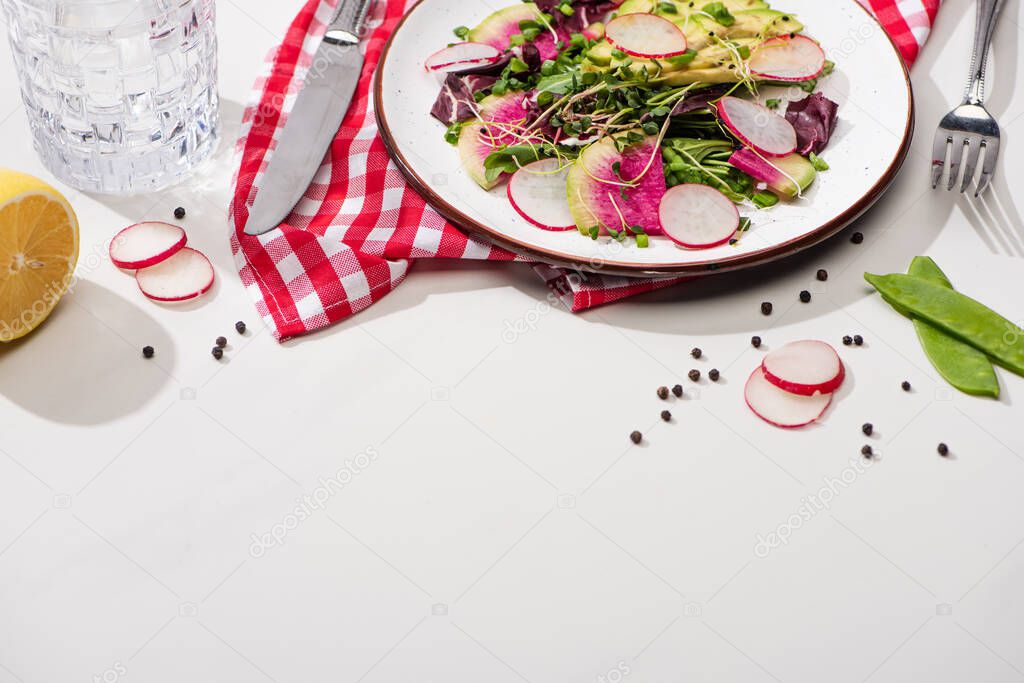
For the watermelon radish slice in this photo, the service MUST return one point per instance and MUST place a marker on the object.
(790, 59)
(146, 244)
(805, 368)
(477, 139)
(186, 275)
(788, 176)
(781, 408)
(646, 35)
(757, 126)
(598, 197)
(498, 28)
(537, 191)
(462, 56)
(697, 216)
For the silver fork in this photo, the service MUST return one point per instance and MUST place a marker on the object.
(970, 129)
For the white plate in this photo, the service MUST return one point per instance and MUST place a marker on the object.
(876, 118)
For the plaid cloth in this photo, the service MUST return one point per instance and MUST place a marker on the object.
(353, 237)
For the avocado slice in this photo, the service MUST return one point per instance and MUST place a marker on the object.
(600, 54)
(757, 23)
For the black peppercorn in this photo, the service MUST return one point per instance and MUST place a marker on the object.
(696, 353)
(868, 429)
(662, 393)
(905, 385)
(766, 308)
(147, 351)
(217, 352)
(694, 375)
(240, 327)
(822, 275)
(755, 341)
(805, 296)
(847, 340)
(857, 237)
(943, 450)
(867, 451)
(666, 416)
(636, 437)
(714, 375)
(179, 213)
(677, 390)
(222, 342)
(858, 340)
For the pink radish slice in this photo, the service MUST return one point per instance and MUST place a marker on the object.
(646, 35)
(805, 368)
(146, 244)
(186, 275)
(537, 191)
(462, 56)
(781, 408)
(697, 216)
(757, 126)
(790, 59)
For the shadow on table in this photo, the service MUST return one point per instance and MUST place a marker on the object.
(78, 369)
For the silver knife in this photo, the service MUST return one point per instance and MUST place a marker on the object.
(314, 120)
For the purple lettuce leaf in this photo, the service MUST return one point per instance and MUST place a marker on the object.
(455, 102)
(814, 119)
(699, 99)
(585, 13)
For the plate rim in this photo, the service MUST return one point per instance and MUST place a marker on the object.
(553, 257)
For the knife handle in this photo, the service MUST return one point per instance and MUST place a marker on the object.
(351, 17)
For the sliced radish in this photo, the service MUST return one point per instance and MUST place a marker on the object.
(186, 275)
(785, 58)
(697, 216)
(781, 408)
(462, 56)
(758, 126)
(646, 35)
(805, 368)
(537, 191)
(146, 244)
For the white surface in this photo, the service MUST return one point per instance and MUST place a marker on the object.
(129, 489)
(868, 84)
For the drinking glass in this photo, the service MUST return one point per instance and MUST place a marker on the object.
(121, 95)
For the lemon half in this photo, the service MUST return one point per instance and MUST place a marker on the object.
(38, 252)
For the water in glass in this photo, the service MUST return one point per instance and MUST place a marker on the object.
(121, 95)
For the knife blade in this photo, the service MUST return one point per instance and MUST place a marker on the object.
(314, 120)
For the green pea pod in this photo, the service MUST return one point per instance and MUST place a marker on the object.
(957, 315)
(963, 366)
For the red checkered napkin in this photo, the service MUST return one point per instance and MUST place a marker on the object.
(353, 237)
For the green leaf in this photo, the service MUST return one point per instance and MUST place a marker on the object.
(683, 59)
(461, 32)
(719, 13)
(518, 66)
(764, 199)
(772, 103)
(451, 134)
(557, 84)
(667, 8)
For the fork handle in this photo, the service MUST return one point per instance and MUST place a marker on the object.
(988, 11)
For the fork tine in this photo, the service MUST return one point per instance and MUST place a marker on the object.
(956, 155)
(972, 163)
(988, 167)
(939, 149)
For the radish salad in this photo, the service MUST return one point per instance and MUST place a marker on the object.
(636, 119)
